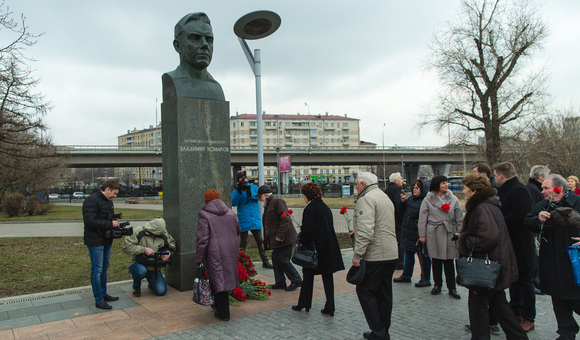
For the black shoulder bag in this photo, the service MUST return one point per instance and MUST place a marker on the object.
(476, 273)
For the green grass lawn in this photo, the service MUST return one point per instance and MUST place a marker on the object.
(74, 213)
(39, 264)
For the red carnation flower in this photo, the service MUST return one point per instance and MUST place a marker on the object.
(557, 190)
(290, 211)
(269, 293)
(283, 214)
(343, 210)
(445, 207)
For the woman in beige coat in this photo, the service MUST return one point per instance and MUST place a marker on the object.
(439, 219)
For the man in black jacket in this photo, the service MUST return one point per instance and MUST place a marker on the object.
(537, 175)
(515, 205)
(98, 216)
(399, 200)
(556, 274)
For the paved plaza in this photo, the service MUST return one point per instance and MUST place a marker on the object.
(71, 314)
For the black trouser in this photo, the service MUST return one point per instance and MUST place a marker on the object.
(222, 304)
(437, 266)
(375, 294)
(259, 241)
(523, 296)
(305, 299)
(282, 265)
(567, 326)
(478, 304)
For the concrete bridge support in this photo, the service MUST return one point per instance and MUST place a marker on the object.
(441, 169)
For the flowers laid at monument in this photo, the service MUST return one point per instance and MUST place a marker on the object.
(250, 289)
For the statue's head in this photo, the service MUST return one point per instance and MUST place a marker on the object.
(193, 40)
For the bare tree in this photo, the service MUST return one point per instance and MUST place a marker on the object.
(25, 146)
(480, 59)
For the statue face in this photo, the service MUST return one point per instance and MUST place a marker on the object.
(196, 44)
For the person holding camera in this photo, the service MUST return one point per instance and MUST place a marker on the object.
(99, 217)
(150, 247)
(245, 198)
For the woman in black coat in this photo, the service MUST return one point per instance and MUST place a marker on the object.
(485, 231)
(318, 228)
(410, 237)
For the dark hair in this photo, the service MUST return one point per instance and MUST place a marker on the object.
(483, 168)
(311, 191)
(111, 184)
(419, 183)
(436, 182)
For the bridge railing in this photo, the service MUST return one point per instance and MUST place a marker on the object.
(234, 148)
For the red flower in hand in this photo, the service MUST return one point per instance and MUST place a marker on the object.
(343, 210)
(445, 207)
(290, 211)
(283, 214)
(557, 190)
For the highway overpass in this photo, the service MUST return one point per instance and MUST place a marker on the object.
(95, 156)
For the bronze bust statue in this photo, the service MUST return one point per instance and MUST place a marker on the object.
(193, 40)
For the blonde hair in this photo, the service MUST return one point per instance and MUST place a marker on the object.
(574, 178)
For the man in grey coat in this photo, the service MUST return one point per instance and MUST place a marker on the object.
(376, 243)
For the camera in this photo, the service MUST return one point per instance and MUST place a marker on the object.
(123, 230)
(153, 261)
(117, 216)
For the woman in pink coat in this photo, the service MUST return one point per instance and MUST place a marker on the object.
(217, 245)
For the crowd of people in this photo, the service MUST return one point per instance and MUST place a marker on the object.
(515, 224)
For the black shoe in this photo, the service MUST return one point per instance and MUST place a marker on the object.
(103, 305)
(278, 286)
(436, 290)
(402, 279)
(219, 317)
(453, 293)
(328, 312)
(299, 308)
(267, 264)
(367, 335)
(137, 292)
(110, 298)
(293, 286)
(423, 283)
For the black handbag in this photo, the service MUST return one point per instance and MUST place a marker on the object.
(306, 257)
(476, 273)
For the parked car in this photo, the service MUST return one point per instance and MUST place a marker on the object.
(78, 194)
(65, 196)
(54, 196)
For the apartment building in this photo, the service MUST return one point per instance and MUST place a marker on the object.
(283, 131)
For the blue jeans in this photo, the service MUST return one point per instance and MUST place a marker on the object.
(100, 256)
(155, 278)
(409, 259)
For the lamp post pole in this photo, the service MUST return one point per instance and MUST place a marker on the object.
(257, 25)
(384, 159)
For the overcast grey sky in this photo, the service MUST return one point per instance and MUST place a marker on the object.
(100, 63)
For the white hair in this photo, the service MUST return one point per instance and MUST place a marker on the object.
(538, 170)
(558, 181)
(394, 176)
(367, 178)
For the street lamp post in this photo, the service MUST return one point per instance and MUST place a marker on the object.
(252, 26)
(384, 158)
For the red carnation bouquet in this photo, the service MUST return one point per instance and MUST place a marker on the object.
(249, 288)
(344, 212)
(289, 214)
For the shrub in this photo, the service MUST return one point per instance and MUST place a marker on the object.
(12, 204)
